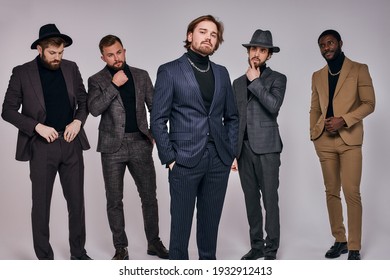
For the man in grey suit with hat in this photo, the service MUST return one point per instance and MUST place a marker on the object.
(53, 101)
(259, 96)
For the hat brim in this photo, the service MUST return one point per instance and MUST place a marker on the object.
(274, 48)
(67, 39)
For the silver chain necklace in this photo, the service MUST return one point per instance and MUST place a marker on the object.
(332, 73)
(197, 68)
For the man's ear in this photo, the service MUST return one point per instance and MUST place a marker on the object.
(40, 50)
(189, 37)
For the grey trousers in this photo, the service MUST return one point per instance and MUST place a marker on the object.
(259, 176)
(135, 154)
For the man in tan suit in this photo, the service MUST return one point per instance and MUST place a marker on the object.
(342, 95)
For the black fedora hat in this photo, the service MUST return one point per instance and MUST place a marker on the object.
(49, 31)
(262, 39)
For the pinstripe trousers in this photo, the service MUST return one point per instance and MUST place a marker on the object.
(204, 186)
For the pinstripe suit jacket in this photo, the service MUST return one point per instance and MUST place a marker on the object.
(104, 99)
(178, 100)
(25, 91)
(259, 113)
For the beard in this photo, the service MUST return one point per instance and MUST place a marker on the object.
(256, 62)
(203, 49)
(119, 65)
(51, 65)
(336, 54)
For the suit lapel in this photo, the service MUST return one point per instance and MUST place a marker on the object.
(242, 96)
(190, 77)
(217, 85)
(242, 91)
(35, 80)
(324, 85)
(346, 68)
(105, 79)
(136, 80)
(68, 81)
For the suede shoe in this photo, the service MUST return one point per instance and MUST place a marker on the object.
(84, 257)
(158, 249)
(336, 250)
(354, 255)
(253, 254)
(121, 254)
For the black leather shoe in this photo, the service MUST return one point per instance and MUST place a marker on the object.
(336, 250)
(253, 254)
(84, 257)
(269, 258)
(158, 249)
(354, 255)
(121, 254)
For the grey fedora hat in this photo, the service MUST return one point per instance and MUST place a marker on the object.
(262, 39)
(48, 31)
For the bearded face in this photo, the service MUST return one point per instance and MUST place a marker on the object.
(204, 38)
(51, 56)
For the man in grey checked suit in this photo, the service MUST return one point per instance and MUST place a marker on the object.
(195, 96)
(259, 95)
(119, 93)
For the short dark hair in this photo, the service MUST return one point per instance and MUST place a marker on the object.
(191, 27)
(54, 41)
(107, 41)
(332, 32)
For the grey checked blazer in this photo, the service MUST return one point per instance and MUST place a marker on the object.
(104, 99)
(259, 113)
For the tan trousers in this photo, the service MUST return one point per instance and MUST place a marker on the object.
(342, 167)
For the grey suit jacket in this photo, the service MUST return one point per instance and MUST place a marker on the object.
(104, 99)
(178, 99)
(259, 113)
(25, 90)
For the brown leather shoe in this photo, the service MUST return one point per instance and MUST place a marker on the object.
(158, 249)
(121, 254)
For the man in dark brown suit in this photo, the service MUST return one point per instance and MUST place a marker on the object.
(53, 103)
(119, 93)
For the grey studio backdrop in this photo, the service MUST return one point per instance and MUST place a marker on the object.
(153, 33)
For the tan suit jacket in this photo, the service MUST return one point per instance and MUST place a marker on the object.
(353, 100)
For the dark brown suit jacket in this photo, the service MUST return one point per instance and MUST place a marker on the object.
(25, 91)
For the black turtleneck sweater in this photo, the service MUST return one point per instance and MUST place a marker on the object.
(127, 94)
(59, 112)
(334, 67)
(205, 79)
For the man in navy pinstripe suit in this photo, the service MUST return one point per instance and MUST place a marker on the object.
(195, 96)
